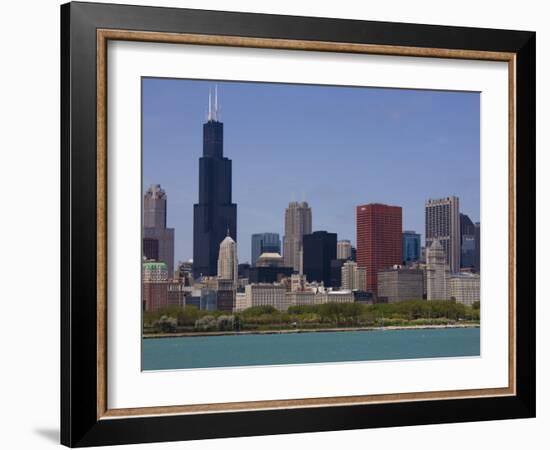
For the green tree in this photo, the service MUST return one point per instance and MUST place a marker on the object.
(258, 310)
(187, 315)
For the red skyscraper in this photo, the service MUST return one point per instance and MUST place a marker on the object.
(379, 239)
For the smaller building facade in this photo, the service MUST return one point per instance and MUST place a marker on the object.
(400, 284)
(264, 294)
(437, 272)
(154, 285)
(226, 295)
(264, 243)
(345, 296)
(411, 246)
(464, 288)
(336, 272)
(299, 298)
(241, 302)
(177, 293)
(343, 249)
(353, 277)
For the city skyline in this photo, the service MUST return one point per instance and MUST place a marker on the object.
(264, 180)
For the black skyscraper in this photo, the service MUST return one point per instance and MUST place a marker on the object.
(214, 215)
(467, 241)
(319, 249)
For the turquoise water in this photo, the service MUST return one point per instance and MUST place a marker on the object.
(300, 348)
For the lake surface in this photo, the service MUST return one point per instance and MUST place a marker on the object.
(301, 348)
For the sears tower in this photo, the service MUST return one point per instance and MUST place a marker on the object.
(215, 216)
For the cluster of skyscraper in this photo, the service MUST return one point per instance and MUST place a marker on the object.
(388, 264)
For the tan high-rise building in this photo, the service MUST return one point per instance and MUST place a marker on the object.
(354, 278)
(297, 223)
(360, 278)
(443, 224)
(155, 233)
(343, 249)
(227, 260)
(437, 272)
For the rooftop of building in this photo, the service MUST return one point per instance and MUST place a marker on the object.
(465, 275)
(227, 240)
(266, 285)
(154, 264)
(270, 255)
(373, 205)
(441, 200)
(400, 269)
(155, 191)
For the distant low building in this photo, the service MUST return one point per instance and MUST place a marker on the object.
(266, 295)
(298, 298)
(363, 297)
(464, 288)
(177, 293)
(154, 285)
(241, 302)
(345, 296)
(226, 295)
(400, 284)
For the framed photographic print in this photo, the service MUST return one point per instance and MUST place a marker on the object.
(277, 224)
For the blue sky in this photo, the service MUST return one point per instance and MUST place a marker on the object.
(335, 147)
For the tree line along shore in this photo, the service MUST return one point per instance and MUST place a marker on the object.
(188, 320)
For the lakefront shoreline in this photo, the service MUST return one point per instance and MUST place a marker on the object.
(307, 330)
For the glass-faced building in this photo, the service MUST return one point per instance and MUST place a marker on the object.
(264, 243)
(411, 246)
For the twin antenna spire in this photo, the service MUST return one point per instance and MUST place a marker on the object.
(213, 111)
